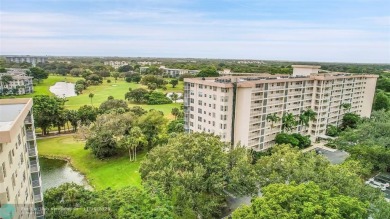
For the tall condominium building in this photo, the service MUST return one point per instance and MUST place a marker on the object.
(20, 179)
(236, 107)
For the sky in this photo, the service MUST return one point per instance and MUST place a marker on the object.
(355, 31)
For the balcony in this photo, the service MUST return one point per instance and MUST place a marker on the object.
(38, 197)
(30, 135)
(36, 183)
(34, 167)
(32, 152)
(28, 120)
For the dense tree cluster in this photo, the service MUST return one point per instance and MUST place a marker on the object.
(72, 201)
(141, 95)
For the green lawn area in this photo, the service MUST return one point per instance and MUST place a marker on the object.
(115, 172)
(102, 92)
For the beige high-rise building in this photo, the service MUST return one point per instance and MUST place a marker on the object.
(20, 179)
(236, 107)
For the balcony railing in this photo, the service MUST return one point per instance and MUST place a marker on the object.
(34, 167)
(36, 183)
(30, 135)
(38, 197)
(32, 152)
(28, 120)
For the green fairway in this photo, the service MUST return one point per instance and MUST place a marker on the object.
(102, 92)
(115, 172)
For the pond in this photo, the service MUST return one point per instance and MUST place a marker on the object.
(55, 172)
(63, 89)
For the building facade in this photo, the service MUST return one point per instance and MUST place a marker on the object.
(116, 64)
(29, 59)
(20, 179)
(20, 83)
(236, 107)
(174, 72)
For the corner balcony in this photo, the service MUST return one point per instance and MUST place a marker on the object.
(36, 183)
(32, 152)
(30, 135)
(28, 120)
(38, 197)
(34, 166)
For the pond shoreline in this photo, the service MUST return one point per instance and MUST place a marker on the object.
(69, 161)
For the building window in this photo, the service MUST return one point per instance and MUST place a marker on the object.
(3, 169)
(199, 110)
(200, 86)
(199, 119)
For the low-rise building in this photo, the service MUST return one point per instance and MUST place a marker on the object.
(116, 64)
(29, 59)
(236, 107)
(20, 83)
(20, 179)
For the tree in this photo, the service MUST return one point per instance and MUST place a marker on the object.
(152, 86)
(137, 110)
(136, 78)
(79, 88)
(138, 95)
(156, 97)
(350, 120)
(46, 110)
(132, 141)
(125, 68)
(87, 114)
(73, 118)
(302, 201)
(273, 118)
(115, 75)
(176, 126)
(174, 82)
(208, 72)
(286, 165)
(381, 101)
(332, 130)
(306, 116)
(175, 112)
(152, 125)
(91, 96)
(108, 105)
(174, 96)
(38, 73)
(6, 79)
(75, 202)
(197, 172)
(284, 138)
(346, 106)
(288, 122)
(77, 72)
(60, 120)
(103, 144)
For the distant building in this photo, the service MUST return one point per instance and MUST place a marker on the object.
(29, 59)
(116, 64)
(144, 63)
(173, 72)
(20, 84)
(20, 178)
(236, 107)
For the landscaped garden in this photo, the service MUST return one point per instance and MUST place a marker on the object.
(116, 172)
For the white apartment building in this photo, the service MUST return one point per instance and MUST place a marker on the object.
(21, 83)
(116, 64)
(236, 107)
(173, 72)
(20, 179)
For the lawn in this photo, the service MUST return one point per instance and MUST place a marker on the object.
(102, 92)
(115, 172)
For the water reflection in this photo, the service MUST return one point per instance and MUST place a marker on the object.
(55, 172)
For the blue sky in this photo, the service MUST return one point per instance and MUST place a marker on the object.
(300, 30)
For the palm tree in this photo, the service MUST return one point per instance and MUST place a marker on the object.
(306, 116)
(346, 106)
(288, 122)
(130, 142)
(5, 79)
(273, 118)
(91, 96)
(175, 112)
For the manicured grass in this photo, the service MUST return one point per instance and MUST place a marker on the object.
(102, 92)
(115, 172)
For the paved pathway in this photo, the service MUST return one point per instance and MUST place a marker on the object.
(319, 145)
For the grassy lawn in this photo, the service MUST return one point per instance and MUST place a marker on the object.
(115, 172)
(102, 92)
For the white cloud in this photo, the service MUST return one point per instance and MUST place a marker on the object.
(164, 32)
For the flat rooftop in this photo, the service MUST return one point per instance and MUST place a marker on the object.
(8, 114)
